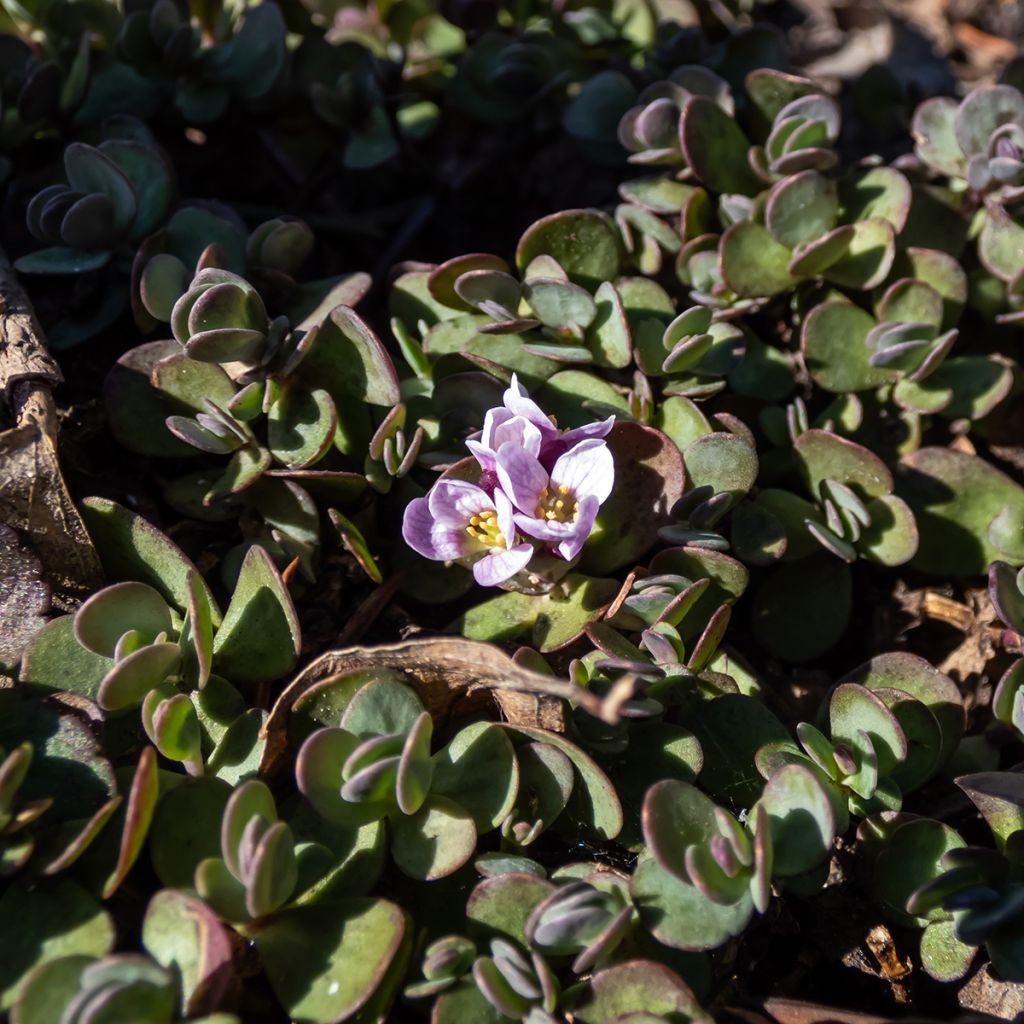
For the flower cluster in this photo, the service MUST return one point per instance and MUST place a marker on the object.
(540, 489)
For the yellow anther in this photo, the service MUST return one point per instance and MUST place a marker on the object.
(474, 520)
(563, 488)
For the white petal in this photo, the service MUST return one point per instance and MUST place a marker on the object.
(454, 502)
(521, 476)
(587, 469)
(499, 566)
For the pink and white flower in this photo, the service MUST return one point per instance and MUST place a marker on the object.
(458, 520)
(539, 493)
(557, 507)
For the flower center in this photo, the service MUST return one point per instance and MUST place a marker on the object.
(484, 528)
(557, 506)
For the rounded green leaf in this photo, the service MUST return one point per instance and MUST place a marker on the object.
(801, 208)
(716, 148)
(186, 829)
(478, 769)
(301, 426)
(832, 339)
(800, 818)
(676, 815)
(955, 497)
(868, 258)
(753, 263)
(499, 907)
(326, 961)
(802, 608)
(44, 922)
(629, 991)
(118, 609)
(679, 915)
(435, 841)
(584, 243)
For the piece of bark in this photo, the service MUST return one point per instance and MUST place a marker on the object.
(23, 354)
(33, 496)
(450, 675)
(24, 596)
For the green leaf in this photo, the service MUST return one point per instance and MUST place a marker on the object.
(832, 339)
(301, 426)
(55, 660)
(259, 639)
(802, 608)
(435, 841)
(131, 548)
(754, 264)
(595, 807)
(186, 938)
(499, 907)
(649, 479)
(954, 497)
(348, 361)
(731, 729)
(634, 989)
(716, 148)
(186, 829)
(583, 242)
(549, 621)
(479, 771)
(679, 915)
(41, 923)
(325, 962)
(800, 818)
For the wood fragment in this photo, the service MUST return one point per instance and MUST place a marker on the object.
(33, 496)
(448, 673)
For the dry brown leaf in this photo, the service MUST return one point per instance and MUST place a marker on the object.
(448, 673)
(33, 496)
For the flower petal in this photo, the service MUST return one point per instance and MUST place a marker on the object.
(451, 542)
(521, 476)
(501, 565)
(586, 469)
(417, 527)
(482, 454)
(506, 522)
(518, 430)
(494, 419)
(453, 502)
(519, 402)
(571, 546)
(601, 429)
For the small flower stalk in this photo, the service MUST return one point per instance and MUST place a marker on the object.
(523, 524)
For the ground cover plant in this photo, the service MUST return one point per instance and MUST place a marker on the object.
(508, 512)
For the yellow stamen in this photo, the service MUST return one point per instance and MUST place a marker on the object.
(484, 528)
(557, 509)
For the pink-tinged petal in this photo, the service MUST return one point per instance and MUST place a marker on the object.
(547, 529)
(506, 522)
(586, 469)
(454, 502)
(451, 542)
(571, 546)
(501, 565)
(518, 430)
(417, 527)
(521, 476)
(482, 454)
(494, 419)
(519, 402)
(602, 429)
(568, 538)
